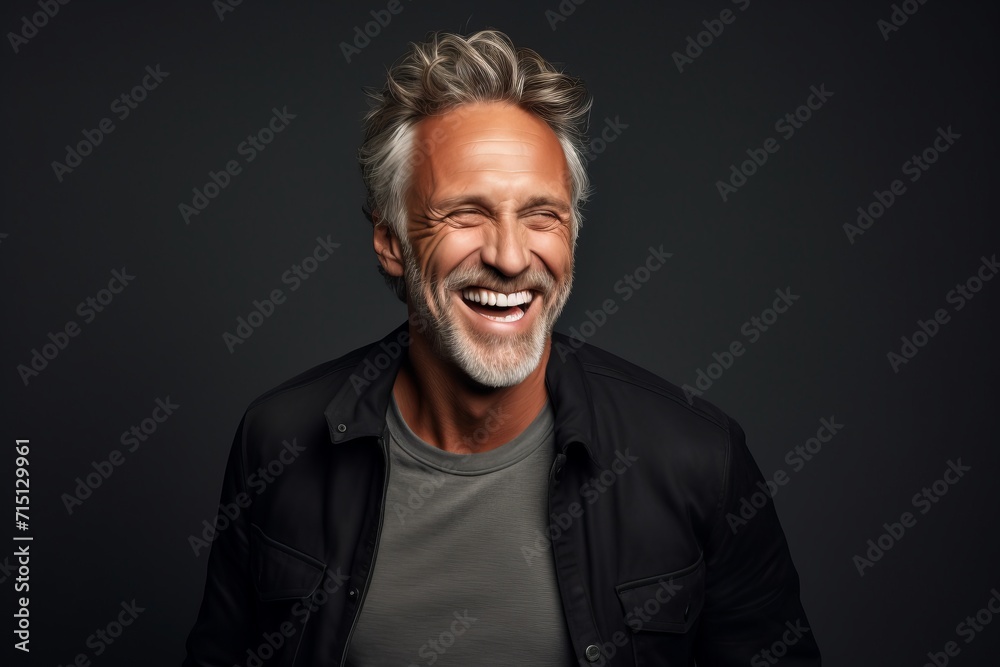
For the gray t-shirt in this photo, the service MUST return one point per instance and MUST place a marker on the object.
(464, 572)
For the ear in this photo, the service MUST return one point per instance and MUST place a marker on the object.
(388, 248)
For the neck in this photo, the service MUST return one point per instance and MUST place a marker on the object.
(449, 410)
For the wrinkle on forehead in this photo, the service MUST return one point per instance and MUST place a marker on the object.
(492, 140)
(502, 145)
(480, 124)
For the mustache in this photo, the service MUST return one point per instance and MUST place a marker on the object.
(536, 280)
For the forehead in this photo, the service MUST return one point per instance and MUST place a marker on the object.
(494, 141)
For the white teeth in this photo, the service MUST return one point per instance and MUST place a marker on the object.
(509, 318)
(488, 297)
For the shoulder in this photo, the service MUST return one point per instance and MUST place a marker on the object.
(295, 408)
(632, 387)
(686, 441)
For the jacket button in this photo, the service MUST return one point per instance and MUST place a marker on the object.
(353, 593)
(593, 652)
(341, 427)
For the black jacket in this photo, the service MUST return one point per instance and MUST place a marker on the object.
(654, 561)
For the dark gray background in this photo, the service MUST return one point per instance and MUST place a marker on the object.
(655, 184)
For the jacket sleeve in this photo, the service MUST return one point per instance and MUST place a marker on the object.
(752, 612)
(225, 627)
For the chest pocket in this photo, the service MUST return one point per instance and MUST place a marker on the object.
(281, 572)
(662, 612)
(286, 581)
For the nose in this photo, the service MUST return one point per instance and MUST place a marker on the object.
(506, 248)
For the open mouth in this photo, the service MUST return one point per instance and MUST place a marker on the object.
(498, 306)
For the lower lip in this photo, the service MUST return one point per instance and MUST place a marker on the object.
(523, 322)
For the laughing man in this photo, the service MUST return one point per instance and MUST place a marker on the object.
(475, 488)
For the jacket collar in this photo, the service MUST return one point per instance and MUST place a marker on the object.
(359, 407)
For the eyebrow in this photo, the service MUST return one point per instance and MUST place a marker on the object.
(483, 202)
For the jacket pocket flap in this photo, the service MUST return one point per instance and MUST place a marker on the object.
(667, 602)
(281, 572)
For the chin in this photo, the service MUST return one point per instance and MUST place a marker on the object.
(493, 360)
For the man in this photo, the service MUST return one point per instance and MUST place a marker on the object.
(476, 489)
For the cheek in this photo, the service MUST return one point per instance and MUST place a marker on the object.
(441, 253)
(555, 252)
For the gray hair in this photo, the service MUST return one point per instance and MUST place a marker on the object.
(441, 74)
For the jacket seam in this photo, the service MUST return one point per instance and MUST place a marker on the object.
(288, 549)
(618, 375)
(724, 491)
(243, 462)
(685, 571)
(722, 424)
(242, 488)
(273, 393)
(775, 598)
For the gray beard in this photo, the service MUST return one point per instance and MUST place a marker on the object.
(492, 360)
